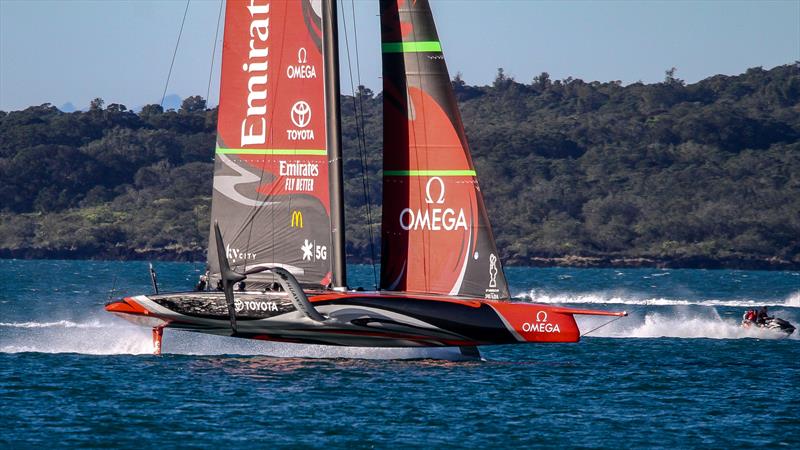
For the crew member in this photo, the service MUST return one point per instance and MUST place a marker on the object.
(201, 285)
(762, 316)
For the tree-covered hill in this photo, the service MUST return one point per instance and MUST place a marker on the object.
(700, 175)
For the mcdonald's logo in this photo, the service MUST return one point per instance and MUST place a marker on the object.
(297, 219)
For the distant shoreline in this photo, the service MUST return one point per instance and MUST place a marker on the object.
(573, 173)
(572, 261)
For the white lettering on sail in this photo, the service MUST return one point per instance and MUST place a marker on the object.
(302, 69)
(434, 219)
(306, 71)
(254, 125)
(298, 169)
(298, 175)
(313, 252)
(234, 254)
(301, 117)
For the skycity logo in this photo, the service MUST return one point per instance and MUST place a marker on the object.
(433, 218)
(234, 254)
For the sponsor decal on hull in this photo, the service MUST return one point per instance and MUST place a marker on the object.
(541, 325)
(246, 305)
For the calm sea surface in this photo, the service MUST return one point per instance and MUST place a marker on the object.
(678, 372)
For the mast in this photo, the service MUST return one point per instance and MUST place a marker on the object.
(330, 33)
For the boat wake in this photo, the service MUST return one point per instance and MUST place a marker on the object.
(688, 324)
(92, 337)
(58, 324)
(792, 301)
(107, 336)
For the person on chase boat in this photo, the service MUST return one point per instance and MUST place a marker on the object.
(762, 316)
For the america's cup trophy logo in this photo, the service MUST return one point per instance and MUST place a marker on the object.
(492, 270)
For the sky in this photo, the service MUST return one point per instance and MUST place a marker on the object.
(72, 51)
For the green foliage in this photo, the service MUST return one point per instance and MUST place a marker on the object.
(705, 174)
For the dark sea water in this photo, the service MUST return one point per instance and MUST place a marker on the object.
(677, 373)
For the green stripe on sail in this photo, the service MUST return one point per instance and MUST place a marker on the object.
(270, 151)
(411, 47)
(429, 173)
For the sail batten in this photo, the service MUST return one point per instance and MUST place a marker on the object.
(430, 173)
(436, 236)
(271, 151)
(411, 47)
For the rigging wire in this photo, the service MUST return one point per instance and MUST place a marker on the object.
(628, 313)
(214, 53)
(601, 326)
(364, 168)
(358, 114)
(174, 53)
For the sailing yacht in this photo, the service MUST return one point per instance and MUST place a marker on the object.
(276, 256)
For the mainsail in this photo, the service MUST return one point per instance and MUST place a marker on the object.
(436, 236)
(271, 192)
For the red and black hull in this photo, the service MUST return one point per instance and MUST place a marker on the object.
(363, 319)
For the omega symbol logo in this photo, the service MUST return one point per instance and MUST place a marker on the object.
(301, 114)
(302, 56)
(541, 316)
(428, 197)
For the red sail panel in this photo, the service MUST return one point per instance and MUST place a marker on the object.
(271, 193)
(436, 236)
